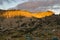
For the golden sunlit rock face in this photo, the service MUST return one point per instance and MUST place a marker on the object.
(42, 14)
(13, 13)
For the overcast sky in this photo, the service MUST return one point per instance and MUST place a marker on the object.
(6, 4)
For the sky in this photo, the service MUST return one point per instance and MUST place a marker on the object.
(6, 4)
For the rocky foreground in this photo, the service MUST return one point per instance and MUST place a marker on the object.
(23, 28)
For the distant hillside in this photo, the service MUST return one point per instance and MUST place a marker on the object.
(13, 13)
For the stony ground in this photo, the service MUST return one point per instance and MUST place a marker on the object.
(22, 28)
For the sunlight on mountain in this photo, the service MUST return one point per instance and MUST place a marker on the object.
(42, 14)
(13, 13)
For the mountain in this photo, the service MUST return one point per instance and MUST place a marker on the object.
(35, 6)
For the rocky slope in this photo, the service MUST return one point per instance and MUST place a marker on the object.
(19, 28)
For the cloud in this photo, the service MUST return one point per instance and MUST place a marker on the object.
(10, 3)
